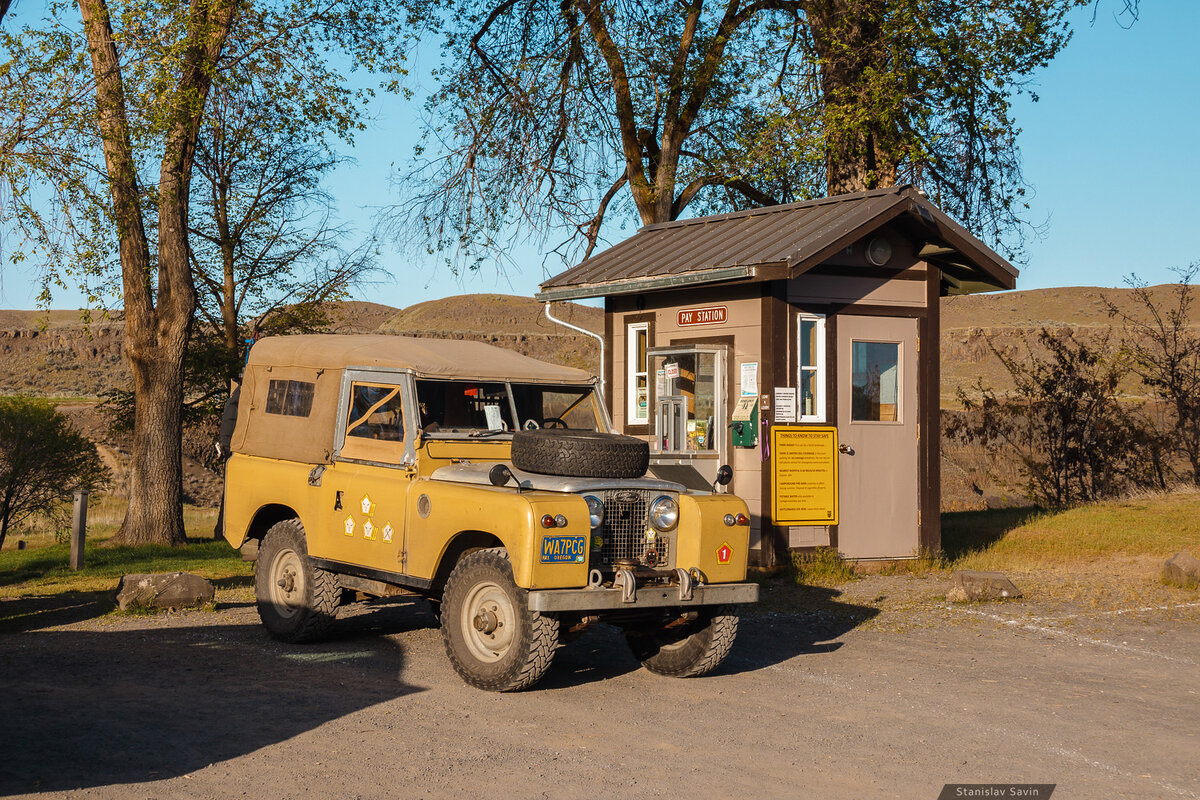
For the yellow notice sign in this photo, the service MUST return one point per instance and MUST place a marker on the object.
(804, 475)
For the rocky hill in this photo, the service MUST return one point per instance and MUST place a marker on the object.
(58, 355)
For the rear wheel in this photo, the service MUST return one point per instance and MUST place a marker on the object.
(492, 638)
(689, 649)
(297, 602)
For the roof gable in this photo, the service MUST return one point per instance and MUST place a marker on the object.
(777, 242)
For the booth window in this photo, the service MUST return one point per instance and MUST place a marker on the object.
(686, 386)
(875, 382)
(638, 336)
(290, 398)
(811, 377)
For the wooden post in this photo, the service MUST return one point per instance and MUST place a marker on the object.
(78, 529)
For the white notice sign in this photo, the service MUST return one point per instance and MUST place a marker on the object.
(672, 370)
(750, 378)
(785, 404)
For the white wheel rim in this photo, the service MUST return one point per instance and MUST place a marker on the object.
(287, 583)
(488, 622)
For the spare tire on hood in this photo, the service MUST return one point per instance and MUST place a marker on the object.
(580, 454)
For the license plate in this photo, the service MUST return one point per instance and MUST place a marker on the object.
(564, 549)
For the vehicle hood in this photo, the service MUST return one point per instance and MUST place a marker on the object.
(478, 474)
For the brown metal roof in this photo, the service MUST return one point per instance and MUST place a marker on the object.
(779, 242)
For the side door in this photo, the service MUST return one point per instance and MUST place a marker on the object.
(365, 489)
(878, 481)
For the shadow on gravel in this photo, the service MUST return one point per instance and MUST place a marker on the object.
(94, 708)
(34, 613)
(818, 621)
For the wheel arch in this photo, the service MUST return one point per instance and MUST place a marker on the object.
(265, 517)
(463, 543)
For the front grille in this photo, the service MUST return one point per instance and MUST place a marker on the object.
(623, 532)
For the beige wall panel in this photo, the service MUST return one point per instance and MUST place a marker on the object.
(808, 536)
(872, 291)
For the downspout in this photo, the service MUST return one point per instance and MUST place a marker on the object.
(585, 332)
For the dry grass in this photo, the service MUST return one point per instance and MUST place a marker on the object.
(1149, 526)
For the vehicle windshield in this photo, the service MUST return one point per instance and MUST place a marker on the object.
(452, 409)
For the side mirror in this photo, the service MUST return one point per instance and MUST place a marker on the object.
(500, 475)
(724, 475)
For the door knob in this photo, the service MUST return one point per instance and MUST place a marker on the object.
(845, 448)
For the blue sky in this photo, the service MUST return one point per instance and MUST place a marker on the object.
(1110, 149)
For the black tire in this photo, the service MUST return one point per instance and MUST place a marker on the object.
(492, 638)
(688, 651)
(580, 454)
(297, 602)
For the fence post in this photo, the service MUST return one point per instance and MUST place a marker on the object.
(78, 529)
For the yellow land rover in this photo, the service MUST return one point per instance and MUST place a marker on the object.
(485, 481)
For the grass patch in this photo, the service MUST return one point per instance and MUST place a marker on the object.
(45, 570)
(821, 567)
(42, 568)
(1153, 526)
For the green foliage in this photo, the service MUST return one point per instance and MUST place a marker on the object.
(53, 176)
(549, 118)
(1076, 442)
(43, 461)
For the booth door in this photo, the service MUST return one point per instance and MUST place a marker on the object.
(879, 492)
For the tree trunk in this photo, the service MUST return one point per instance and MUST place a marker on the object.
(155, 513)
(859, 126)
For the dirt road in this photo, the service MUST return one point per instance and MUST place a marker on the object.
(824, 702)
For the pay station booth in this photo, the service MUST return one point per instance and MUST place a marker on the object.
(799, 345)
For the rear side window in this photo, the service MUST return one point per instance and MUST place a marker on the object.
(290, 398)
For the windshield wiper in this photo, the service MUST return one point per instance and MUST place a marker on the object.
(481, 434)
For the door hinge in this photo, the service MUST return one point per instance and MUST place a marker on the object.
(402, 557)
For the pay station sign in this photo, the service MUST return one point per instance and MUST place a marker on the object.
(711, 315)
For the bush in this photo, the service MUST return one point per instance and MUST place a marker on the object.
(43, 461)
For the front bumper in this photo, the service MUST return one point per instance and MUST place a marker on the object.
(644, 597)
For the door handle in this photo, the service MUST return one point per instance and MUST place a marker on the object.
(845, 448)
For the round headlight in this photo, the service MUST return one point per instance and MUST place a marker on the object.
(664, 513)
(595, 510)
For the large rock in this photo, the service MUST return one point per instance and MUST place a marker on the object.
(970, 585)
(164, 590)
(1182, 569)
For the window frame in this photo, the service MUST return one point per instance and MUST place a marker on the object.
(632, 417)
(901, 410)
(818, 369)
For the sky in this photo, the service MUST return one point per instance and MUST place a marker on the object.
(1110, 149)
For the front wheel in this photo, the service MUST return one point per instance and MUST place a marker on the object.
(492, 638)
(689, 649)
(297, 602)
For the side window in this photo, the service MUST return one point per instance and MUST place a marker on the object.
(290, 398)
(376, 412)
(810, 330)
(638, 379)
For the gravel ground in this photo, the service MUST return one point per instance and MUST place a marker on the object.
(878, 691)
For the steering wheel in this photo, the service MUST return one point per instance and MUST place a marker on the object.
(554, 422)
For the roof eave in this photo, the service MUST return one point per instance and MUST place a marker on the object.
(650, 284)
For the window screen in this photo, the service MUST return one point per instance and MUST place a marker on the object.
(376, 413)
(290, 398)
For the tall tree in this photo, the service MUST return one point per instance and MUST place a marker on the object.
(266, 254)
(105, 189)
(158, 295)
(555, 115)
